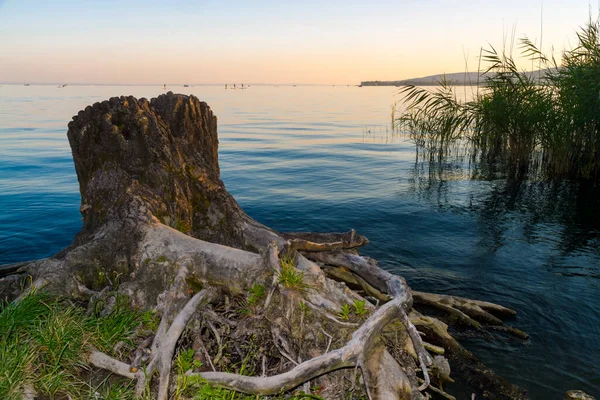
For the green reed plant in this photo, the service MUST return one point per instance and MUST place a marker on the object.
(547, 122)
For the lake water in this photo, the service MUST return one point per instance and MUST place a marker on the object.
(323, 159)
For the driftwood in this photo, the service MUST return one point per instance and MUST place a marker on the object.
(158, 220)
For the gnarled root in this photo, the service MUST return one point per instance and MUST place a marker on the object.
(363, 273)
(468, 312)
(163, 346)
(361, 351)
(357, 352)
(382, 374)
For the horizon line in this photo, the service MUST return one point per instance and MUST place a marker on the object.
(174, 84)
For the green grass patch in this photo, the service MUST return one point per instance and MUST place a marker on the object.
(44, 341)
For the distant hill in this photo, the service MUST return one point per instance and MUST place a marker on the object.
(457, 78)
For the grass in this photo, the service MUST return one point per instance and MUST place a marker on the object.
(249, 305)
(43, 341)
(289, 276)
(257, 292)
(547, 124)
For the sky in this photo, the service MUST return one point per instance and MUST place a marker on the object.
(267, 41)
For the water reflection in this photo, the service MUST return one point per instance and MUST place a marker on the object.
(565, 213)
(530, 244)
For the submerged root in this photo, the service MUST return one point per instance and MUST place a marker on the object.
(468, 367)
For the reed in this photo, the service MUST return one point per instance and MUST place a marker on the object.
(546, 123)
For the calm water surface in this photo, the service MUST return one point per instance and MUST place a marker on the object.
(322, 159)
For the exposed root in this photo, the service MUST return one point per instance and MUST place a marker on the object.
(162, 356)
(311, 241)
(141, 354)
(383, 281)
(439, 392)
(219, 342)
(347, 276)
(511, 330)
(434, 349)
(463, 310)
(29, 392)
(383, 377)
(347, 356)
(101, 360)
(477, 309)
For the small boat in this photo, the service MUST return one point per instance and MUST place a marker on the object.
(186, 85)
(27, 84)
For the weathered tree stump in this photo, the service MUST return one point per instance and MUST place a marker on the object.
(160, 227)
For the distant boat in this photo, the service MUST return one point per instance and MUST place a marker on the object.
(186, 85)
(165, 86)
(61, 86)
(27, 84)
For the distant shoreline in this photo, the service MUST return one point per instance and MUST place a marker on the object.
(415, 83)
(453, 79)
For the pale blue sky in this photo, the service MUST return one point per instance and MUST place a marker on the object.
(177, 41)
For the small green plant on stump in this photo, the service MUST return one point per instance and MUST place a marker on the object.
(289, 276)
(345, 313)
(359, 308)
